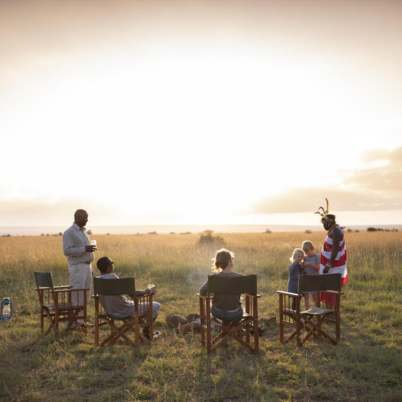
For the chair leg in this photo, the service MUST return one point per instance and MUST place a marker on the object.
(42, 322)
(150, 320)
(281, 323)
(338, 326)
(202, 319)
(208, 325)
(298, 330)
(96, 330)
(255, 324)
(56, 323)
(247, 324)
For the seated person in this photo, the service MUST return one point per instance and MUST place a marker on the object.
(121, 306)
(226, 307)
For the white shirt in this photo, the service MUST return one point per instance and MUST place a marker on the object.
(74, 242)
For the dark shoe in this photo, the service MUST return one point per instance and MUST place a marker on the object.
(145, 332)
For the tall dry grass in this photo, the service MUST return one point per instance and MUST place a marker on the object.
(367, 365)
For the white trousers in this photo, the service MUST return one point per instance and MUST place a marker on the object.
(80, 278)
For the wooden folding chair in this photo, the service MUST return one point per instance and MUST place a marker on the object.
(307, 323)
(56, 303)
(120, 287)
(245, 331)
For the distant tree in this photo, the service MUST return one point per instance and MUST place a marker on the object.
(207, 238)
(89, 232)
(152, 233)
(268, 231)
(373, 229)
(172, 233)
(60, 234)
(307, 231)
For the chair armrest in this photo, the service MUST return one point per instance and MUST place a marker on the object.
(336, 292)
(58, 290)
(205, 297)
(62, 287)
(282, 292)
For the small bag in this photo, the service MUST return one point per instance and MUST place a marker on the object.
(5, 309)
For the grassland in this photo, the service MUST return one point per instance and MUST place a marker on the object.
(365, 366)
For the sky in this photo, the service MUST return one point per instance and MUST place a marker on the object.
(148, 112)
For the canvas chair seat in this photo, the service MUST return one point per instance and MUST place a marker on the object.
(309, 323)
(61, 307)
(119, 318)
(317, 311)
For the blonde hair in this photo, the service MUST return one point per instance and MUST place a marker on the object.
(223, 258)
(294, 253)
(307, 245)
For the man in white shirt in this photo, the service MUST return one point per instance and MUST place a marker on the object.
(79, 253)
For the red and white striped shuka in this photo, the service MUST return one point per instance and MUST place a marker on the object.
(339, 265)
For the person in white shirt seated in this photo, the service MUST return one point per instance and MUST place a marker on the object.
(121, 306)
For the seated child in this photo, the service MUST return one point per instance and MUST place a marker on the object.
(226, 307)
(121, 306)
(311, 265)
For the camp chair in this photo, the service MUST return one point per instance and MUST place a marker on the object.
(245, 331)
(56, 303)
(309, 322)
(120, 287)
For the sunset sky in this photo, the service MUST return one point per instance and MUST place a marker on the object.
(148, 112)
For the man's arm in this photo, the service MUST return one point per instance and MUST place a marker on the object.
(337, 238)
(69, 248)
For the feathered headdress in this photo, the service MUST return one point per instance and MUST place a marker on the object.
(323, 212)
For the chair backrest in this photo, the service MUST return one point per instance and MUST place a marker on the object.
(114, 287)
(43, 280)
(218, 284)
(311, 283)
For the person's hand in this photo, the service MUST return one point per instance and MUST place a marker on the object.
(326, 268)
(90, 249)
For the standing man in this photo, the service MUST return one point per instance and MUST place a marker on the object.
(79, 253)
(333, 257)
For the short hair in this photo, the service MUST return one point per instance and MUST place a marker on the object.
(103, 264)
(294, 253)
(222, 259)
(80, 212)
(307, 245)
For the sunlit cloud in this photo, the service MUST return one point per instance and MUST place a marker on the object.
(369, 189)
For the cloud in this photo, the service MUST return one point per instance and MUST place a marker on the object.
(372, 188)
(382, 178)
(27, 212)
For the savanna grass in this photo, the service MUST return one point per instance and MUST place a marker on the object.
(365, 366)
